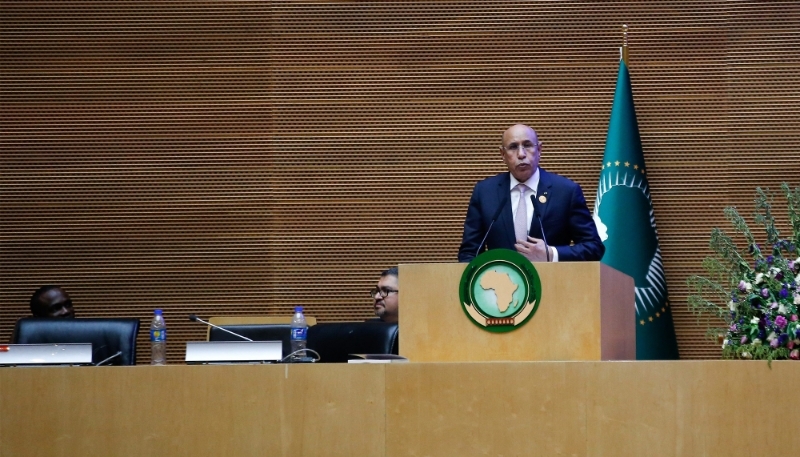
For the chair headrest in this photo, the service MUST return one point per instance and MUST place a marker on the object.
(336, 341)
(107, 335)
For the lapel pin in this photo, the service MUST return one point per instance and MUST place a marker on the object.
(543, 198)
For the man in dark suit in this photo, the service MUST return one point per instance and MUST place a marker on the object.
(507, 209)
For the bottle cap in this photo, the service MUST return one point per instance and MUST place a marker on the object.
(157, 312)
(298, 309)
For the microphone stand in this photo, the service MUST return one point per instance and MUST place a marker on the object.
(194, 318)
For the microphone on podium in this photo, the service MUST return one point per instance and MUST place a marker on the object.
(538, 213)
(193, 317)
(494, 219)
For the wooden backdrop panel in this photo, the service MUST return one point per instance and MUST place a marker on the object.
(238, 157)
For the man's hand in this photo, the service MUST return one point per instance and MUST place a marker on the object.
(534, 249)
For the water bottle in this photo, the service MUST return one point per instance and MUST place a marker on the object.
(158, 339)
(299, 334)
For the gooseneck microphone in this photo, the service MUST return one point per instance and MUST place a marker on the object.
(494, 219)
(193, 317)
(119, 353)
(538, 213)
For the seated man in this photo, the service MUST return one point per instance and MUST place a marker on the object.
(385, 296)
(51, 301)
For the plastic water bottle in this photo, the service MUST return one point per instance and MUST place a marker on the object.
(158, 339)
(299, 334)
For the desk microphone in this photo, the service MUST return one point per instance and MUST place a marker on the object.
(119, 353)
(537, 211)
(494, 218)
(193, 317)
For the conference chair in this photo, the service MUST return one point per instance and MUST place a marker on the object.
(336, 341)
(257, 328)
(108, 336)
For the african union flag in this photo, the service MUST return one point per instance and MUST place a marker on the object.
(624, 216)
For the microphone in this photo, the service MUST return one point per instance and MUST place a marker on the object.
(193, 317)
(119, 353)
(494, 218)
(537, 211)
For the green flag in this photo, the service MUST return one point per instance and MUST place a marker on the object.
(624, 216)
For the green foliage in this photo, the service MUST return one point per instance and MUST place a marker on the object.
(753, 302)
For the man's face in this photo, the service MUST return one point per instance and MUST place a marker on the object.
(386, 307)
(56, 303)
(521, 151)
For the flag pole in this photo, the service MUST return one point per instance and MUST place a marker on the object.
(624, 48)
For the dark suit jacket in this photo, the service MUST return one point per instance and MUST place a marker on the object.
(565, 218)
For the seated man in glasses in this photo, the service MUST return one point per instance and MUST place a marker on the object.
(51, 301)
(386, 297)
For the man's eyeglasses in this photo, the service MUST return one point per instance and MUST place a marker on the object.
(383, 291)
(527, 146)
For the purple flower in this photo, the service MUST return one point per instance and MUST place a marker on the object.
(770, 259)
(773, 305)
(795, 354)
(779, 276)
(781, 322)
(791, 264)
(742, 286)
(733, 328)
(783, 338)
(774, 343)
(784, 292)
(795, 317)
(744, 340)
(765, 292)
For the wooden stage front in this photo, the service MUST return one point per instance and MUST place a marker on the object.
(679, 408)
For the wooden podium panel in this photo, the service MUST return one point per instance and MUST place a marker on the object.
(590, 409)
(587, 312)
(199, 410)
(585, 409)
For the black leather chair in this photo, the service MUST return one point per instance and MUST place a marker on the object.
(336, 341)
(256, 332)
(108, 336)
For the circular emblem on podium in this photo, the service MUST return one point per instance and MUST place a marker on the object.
(500, 290)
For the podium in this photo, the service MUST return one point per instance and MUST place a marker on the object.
(586, 313)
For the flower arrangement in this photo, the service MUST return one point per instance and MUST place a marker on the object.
(760, 311)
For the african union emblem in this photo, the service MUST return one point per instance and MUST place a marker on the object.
(500, 290)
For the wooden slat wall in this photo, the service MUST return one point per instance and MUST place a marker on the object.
(224, 157)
